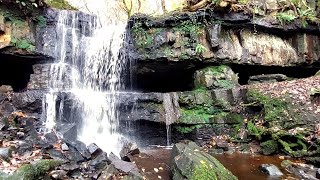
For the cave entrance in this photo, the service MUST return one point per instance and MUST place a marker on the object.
(178, 76)
(15, 71)
(164, 77)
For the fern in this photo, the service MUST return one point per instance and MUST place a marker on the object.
(285, 17)
(200, 49)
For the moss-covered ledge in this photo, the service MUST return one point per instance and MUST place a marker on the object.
(205, 37)
(228, 19)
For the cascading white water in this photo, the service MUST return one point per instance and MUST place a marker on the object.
(89, 67)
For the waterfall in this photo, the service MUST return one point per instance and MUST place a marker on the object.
(88, 65)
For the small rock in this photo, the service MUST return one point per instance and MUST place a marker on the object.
(5, 153)
(3, 123)
(7, 108)
(56, 154)
(24, 146)
(267, 78)
(74, 155)
(68, 131)
(64, 147)
(108, 172)
(216, 151)
(20, 134)
(100, 161)
(58, 174)
(231, 150)
(128, 148)
(271, 169)
(318, 174)
(124, 166)
(92, 148)
(223, 145)
(51, 137)
(81, 148)
(70, 166)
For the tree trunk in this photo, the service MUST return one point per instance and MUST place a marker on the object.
(163, 5)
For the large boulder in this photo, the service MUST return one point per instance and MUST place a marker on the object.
(189, 162)
(216, 77)
(29, 101)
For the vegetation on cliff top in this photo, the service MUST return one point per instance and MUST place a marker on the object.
(31, 6)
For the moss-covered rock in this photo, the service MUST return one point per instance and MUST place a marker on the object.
(216, 77)
(185, 41)
(269, 147)
(274, 109)
(33, 171)
(189, 162)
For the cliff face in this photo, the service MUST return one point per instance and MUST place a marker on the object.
(27, 45)
(233, 38)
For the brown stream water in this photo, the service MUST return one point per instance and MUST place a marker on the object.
(246, 166)
(155, 164)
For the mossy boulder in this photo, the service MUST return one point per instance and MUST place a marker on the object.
(189, 162)
(269, 147)
(216, 77)
(38, 170)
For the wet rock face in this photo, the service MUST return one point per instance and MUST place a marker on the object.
(182, 39)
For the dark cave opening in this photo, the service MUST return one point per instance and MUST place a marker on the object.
(15, 71)
(164, 77)
(179, 76)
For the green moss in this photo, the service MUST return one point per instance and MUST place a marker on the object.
(234, 118)
(167, 51)
(190, 116)
(40, 20)
(210, 168)
(224, 84)
(254, 131)
(202, 172)
(188, 27)
(274, 109)
(34, 171)
(60, 4)
(23, 44)
(187, 129)
(286, 17)
(143, 38)
(269, 147)
(288, 148)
